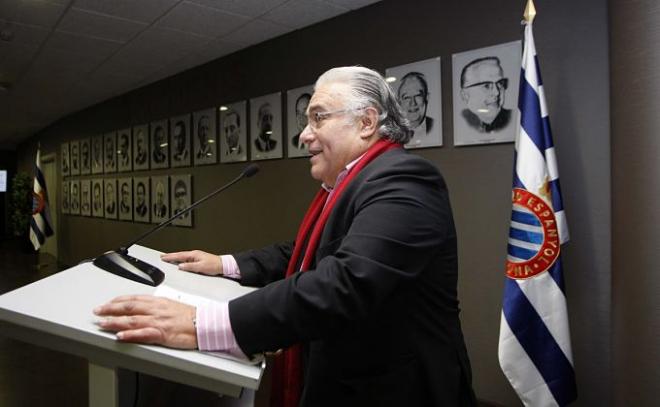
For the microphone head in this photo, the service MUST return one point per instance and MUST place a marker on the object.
(250, 170)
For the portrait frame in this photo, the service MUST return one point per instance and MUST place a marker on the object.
(266, 142)
(180, 151)
(65, 198)
(142, 211)
(296, 123)
(160, 198)
(125, 201)
(85, 159)
(159, 155)
(97, 154)
(65, 162)
(74, 193)
(98, 207)
(85, 197)
(124, 150)
(110, 198)
(233, 118)
(408, 83)
(468, 112)
(74, 156)
(180, 198)
(208, 152)
(110, 152)
(141, 153)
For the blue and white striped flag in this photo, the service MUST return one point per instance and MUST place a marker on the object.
(40, 225)
(535, 344)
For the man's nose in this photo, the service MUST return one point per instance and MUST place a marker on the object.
(307, 135)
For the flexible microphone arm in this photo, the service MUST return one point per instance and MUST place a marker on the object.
(247, 173)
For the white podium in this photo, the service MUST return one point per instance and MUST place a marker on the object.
(56, 313)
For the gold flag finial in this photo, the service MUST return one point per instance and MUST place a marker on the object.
(530, 12)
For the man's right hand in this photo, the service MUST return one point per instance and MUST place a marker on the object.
(195, 261)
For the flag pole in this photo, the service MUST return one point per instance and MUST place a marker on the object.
(530, 12)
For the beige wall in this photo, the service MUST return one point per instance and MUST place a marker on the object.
(572, 40)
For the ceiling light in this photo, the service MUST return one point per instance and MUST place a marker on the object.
(223, 108)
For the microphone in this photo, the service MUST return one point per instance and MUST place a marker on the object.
(120, 263)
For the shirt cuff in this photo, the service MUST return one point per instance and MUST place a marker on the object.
(214, 331)
(230, 267)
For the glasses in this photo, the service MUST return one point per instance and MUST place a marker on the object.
(315, 119)
(490, 86)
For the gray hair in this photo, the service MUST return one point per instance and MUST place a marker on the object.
(369, 89)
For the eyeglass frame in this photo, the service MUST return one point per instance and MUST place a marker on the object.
(320, 116)
(493, 84)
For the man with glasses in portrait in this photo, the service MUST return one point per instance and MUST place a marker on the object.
(483, 87)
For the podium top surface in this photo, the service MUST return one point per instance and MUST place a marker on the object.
(62, 304)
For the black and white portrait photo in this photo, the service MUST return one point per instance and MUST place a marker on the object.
(124, 147)
(160, 198)
(66, 159)
(266, 127)
(110, 197)
(141, 147)
(485, 94)
(297, 101)
(205, 147)
(97, 154)
(86, 197)
(141, 199)
(98, 210)
(66, 198)
(159, 143)
(125, 188)
(110, 150)
(74, 201)
(181, 198)
(180, 137)
(85, 157)
(233, 132)
(74, 148)
(418, 89)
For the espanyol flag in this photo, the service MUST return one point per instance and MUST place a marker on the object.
(535, 344)
(40, 225)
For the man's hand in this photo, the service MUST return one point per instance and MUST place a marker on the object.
(196, 261)
(149, 319)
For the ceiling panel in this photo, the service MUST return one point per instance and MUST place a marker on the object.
(301, 13)
(24, 34)
(146, 11)
(352, 4)
(14, 60)
(99, 25)
(34, 12)
(256, 31)
(201, 20)
(250, 8)
(90, 47)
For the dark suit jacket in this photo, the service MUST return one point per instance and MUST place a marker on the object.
(378, 312)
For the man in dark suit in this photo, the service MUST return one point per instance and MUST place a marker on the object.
(365, 298)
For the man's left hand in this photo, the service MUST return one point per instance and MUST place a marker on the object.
(149, 319)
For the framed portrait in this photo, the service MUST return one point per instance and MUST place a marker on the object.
(65, 197)
(85, 157)
(110, 198)
(124, 150)
(181, 198)
(98, 210)
(125, 205)
(297, 101)
(159, 143)
(74, 151)
(419, 91)
(86, 197)
(97, 154)
(74, 201)
(141, 147)
(66, 160)
(266, 127)
(180, 137)
(205, 146)
(141, 199)
(160, 198)
(233, 132)
(110, 150)
(485, 94)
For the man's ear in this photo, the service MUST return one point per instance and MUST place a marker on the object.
(368, 122)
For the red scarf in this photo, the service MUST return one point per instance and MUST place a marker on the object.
(287, 374)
